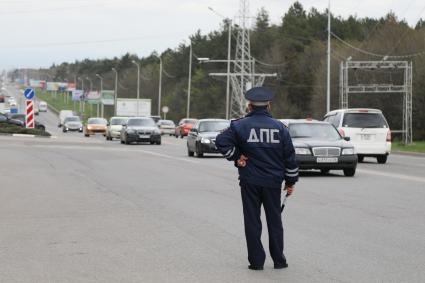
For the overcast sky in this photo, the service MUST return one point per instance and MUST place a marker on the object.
(38, 33)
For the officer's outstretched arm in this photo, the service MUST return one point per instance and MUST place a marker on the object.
(291, 164)
(227, 142)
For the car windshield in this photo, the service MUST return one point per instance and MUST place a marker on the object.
(364, 120)
(167, 123)
(141, 122)
(118, 121)
(97, 121)
(72, 119)
(213, 126)
(189, 122)
(314, 131)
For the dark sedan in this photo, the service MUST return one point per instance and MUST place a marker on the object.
(318, 145)
(22, 119)
(141, 129)
(201, 138)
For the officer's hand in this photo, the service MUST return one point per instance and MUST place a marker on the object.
(289, 190)
(242, 161)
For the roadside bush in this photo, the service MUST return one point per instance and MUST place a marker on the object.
(13, 129)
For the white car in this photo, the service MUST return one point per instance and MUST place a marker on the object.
(42, 106)
(64, 114)
(367, 129)
(114, 127)
(167, 127)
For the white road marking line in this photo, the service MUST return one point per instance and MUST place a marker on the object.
(392, 175)
(23, 136)
(118, 150)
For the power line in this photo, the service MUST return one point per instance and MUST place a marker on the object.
(376, 54)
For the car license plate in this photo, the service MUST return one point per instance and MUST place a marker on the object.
(366, 137)
(327, 160)
(144, 136)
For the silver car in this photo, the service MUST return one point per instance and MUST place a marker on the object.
(72, 123)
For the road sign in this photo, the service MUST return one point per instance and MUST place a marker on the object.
(165, 109)
(29, 119)
(29, 93)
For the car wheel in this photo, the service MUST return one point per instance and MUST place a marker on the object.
(360, 158)
(382, 159)
(158, 142)
(122, 142)
(87, 135)
(190, 153)
(349, 172)
(324, 171)
(199, 152)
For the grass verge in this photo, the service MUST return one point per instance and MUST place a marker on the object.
(417, 146)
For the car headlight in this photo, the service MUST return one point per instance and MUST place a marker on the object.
(348, 151)
(205, 140)
(302, 151)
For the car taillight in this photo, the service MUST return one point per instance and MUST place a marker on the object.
(389, 136)
(341, 132)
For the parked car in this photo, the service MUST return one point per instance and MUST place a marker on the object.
(318, 145)
(140, 129)
(95, 126)
(114, 127)
(42, 106)
(167, 127)
(201, 138)
(4, 118)
(367, 129)
(72, 123)
(184, 127)
(21, 120)
(63, 114)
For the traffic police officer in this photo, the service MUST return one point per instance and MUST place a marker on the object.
(262, 150)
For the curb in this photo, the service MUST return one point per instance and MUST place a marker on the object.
(409, 153)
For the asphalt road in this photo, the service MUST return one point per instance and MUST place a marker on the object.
(76, 209)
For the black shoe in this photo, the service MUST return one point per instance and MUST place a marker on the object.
(253, 267)
(281, 266)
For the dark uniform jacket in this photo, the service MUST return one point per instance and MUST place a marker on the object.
(268, 146)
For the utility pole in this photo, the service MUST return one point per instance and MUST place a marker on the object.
(116, 91)
(229, 49)
(328, 89)
(102, 110)
(138, 84)
(160, 86)
(189, 81)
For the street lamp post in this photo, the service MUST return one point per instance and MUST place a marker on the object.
(91, 88)
(160, 85)
(138, 84)
(102, 110)
(189, 82)
(82, 88)
(116, 91)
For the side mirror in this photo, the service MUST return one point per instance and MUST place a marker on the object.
(347, 138)
(194, 130)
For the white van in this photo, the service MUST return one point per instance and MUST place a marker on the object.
(42, 106)
(63, 114)
(367, 129)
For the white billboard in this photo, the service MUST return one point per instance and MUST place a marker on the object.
(127, 107)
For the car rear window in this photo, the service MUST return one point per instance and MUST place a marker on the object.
(364, 120)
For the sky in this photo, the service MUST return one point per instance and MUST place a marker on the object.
(36, 34)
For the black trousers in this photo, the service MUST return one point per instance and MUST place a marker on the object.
(252, 199)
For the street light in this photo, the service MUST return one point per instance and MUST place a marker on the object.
(189, 81)
(229, 47)
(91, 88)
(160, 85)
(138, 84)
(116, 91)
(82, 87)
(102, 110)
